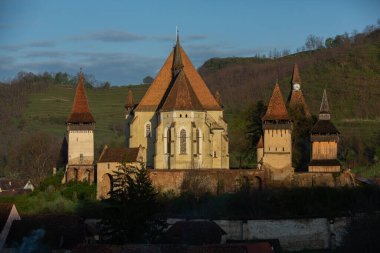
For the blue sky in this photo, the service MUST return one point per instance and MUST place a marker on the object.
(123, 41)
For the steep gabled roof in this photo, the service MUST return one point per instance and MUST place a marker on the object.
(119, 154)
(181, 96)
(157, 90)
(296, 78)
(324, 104)
(297, 100)
(81, 110)
(324, 125)
(276, 107)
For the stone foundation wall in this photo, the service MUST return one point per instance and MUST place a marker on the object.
(217, 180)
(231, 180)
(80, 173)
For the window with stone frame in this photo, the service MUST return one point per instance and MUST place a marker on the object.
(147, 130)
(182, 141)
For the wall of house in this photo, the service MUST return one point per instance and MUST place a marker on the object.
(293, 234)
(80, 142)
(324, 150)
(104, 177)
(277, 148)
(80, 173)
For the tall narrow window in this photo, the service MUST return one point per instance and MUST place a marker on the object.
(147, 130)
(182, 141)
(168, 141)
(198, 136)
(80, 158)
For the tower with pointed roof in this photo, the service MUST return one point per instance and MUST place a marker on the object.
(277, 128)
(296, 100)
(80, 138)
(178, 122)
(324, 138)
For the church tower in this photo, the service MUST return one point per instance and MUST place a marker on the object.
(296, 100)
(178, 122)
(80, 138)
(277, 128)
(324, 138)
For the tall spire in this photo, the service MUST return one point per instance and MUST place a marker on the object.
(129, 103)
(177, 61)
(296, 78)
(276, 108)
(324, 111)
(81, 110)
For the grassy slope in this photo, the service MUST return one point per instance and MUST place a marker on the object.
(49, 110)
(344, 74)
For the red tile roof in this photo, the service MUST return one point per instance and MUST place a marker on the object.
(157, 90)
(81, 110)
(119, 154)
(297, 100)
(276, 107)
(181, 96)
(296, 78)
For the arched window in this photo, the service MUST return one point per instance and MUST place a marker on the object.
(147, 130)
(182, 141)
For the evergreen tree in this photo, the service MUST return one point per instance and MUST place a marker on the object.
(301, 137)
(131, 209)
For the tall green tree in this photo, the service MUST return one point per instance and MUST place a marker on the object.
(131, 212)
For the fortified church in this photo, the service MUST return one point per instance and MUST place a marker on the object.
(178, 131)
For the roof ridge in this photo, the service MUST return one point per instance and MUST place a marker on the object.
(152, 99)
(181, 95)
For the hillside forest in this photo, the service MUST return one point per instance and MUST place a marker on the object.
(35, 106)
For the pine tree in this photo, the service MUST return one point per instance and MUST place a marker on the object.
(130, 213)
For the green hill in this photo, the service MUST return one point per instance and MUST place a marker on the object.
(48, 110)
(349, 71)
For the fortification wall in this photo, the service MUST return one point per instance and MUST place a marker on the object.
(221, 180)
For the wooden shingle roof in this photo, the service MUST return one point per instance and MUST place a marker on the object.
(276, 107)
(157, 90)
(81, 110)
